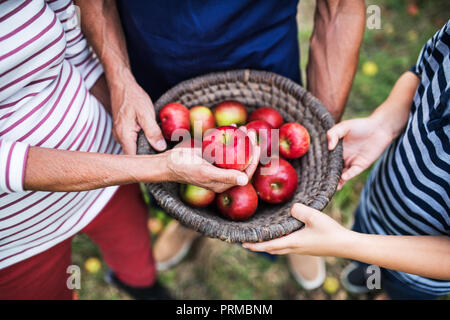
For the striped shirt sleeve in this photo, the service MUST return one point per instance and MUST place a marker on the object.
(78, 52)
(13, 158)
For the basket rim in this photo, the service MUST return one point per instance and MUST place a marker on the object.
(163, 197)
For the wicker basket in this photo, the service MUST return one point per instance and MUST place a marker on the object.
(319, 170)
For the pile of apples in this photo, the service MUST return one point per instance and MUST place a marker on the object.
(222, 138)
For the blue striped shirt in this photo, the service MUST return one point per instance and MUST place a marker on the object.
(408, 192)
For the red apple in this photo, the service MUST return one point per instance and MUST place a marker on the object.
(173, 116)
(202, 116)
(294, 140)
(263, 134)
(238, 203)
(278, 184)
(227, 147)
(196, 196)
(230, 112)
(270, 115)
(413, 10)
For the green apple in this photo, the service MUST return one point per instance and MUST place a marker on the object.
(202, 117)
(196, 196)
(230, 112)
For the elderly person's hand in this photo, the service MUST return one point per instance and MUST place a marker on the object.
(318, 237)
(186, 165)
(132, 110)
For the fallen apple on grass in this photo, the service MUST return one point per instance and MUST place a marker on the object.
(238, 203)
(93, 265)
(174, 116)
(294, 140)
(155, 225)
(270, 115)
(227, 147)
(230, 112)
(278, 183)
(196, 196)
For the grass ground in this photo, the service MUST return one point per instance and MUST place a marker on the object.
(216, 270)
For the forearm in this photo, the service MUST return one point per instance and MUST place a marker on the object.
(334, 50)
(61, 170)
(427, 256)
(100, 22)
(394, 112)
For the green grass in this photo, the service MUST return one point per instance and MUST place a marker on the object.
(216, 270)
(394, 49)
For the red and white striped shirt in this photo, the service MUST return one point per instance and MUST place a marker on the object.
(46, 70)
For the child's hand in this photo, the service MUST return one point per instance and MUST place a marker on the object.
(365, 139)
(321, 236)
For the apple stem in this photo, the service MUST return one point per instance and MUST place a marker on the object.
(226, 200)
(275, 185)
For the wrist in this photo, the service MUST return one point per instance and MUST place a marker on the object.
(389, 119)
(119, 76)
(154, 168)
(119, 83)
(385, 122)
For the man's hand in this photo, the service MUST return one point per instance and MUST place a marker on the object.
(365, 139)
(132, 110)
(318, 237)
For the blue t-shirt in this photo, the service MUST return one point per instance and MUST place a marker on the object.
(173, 40)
